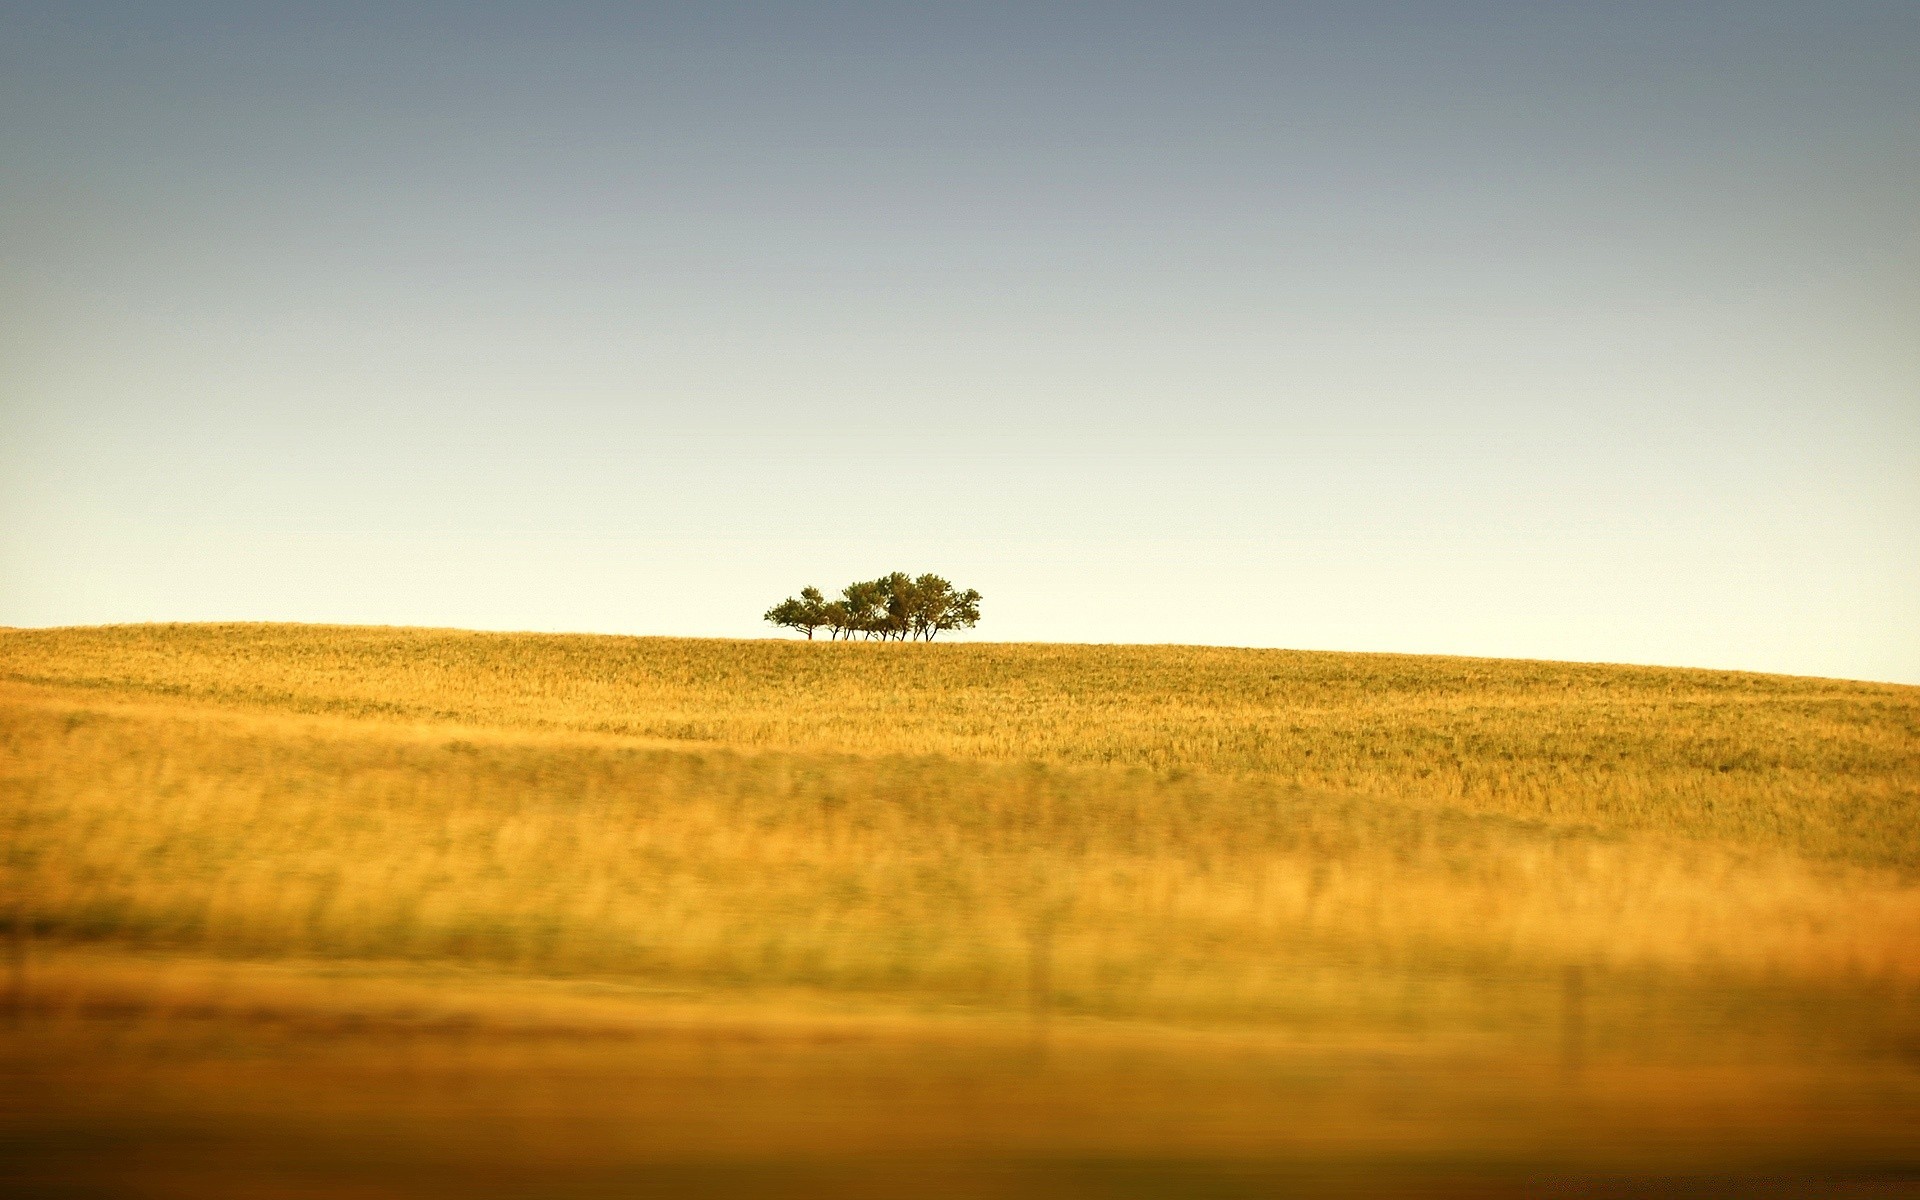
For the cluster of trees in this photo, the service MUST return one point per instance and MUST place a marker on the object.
(896, 606)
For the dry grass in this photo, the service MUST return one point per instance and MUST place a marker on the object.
(1248, 906)
(1821, 767)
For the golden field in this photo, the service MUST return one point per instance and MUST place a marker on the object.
(347, 911)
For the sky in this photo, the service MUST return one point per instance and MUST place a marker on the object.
(1581, 332)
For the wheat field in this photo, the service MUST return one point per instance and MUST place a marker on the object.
(303, 910)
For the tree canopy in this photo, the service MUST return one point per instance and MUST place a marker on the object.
(895, 607)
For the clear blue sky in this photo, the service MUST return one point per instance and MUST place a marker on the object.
(1554, 331)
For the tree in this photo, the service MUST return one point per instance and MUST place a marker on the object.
(939, 608)
(866, 608)
(806, 614)
(901, 599)
(835, 613)
(895, 607)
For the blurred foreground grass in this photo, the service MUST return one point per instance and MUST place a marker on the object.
(428, 912)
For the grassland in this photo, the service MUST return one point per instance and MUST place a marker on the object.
(434, 912)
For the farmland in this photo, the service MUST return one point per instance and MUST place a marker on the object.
(305, 909)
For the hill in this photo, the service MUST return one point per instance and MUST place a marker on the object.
(1120, 916)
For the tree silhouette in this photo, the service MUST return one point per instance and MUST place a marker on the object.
(866, 608)
(806, 614)
(896, 607)
(935, 607)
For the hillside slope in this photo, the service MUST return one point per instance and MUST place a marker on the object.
(1818, 766)
(1256, 910)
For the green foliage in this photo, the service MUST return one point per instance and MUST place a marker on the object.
(806, 614)
(894, 607)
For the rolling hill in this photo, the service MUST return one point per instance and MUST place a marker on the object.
(438, 912)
